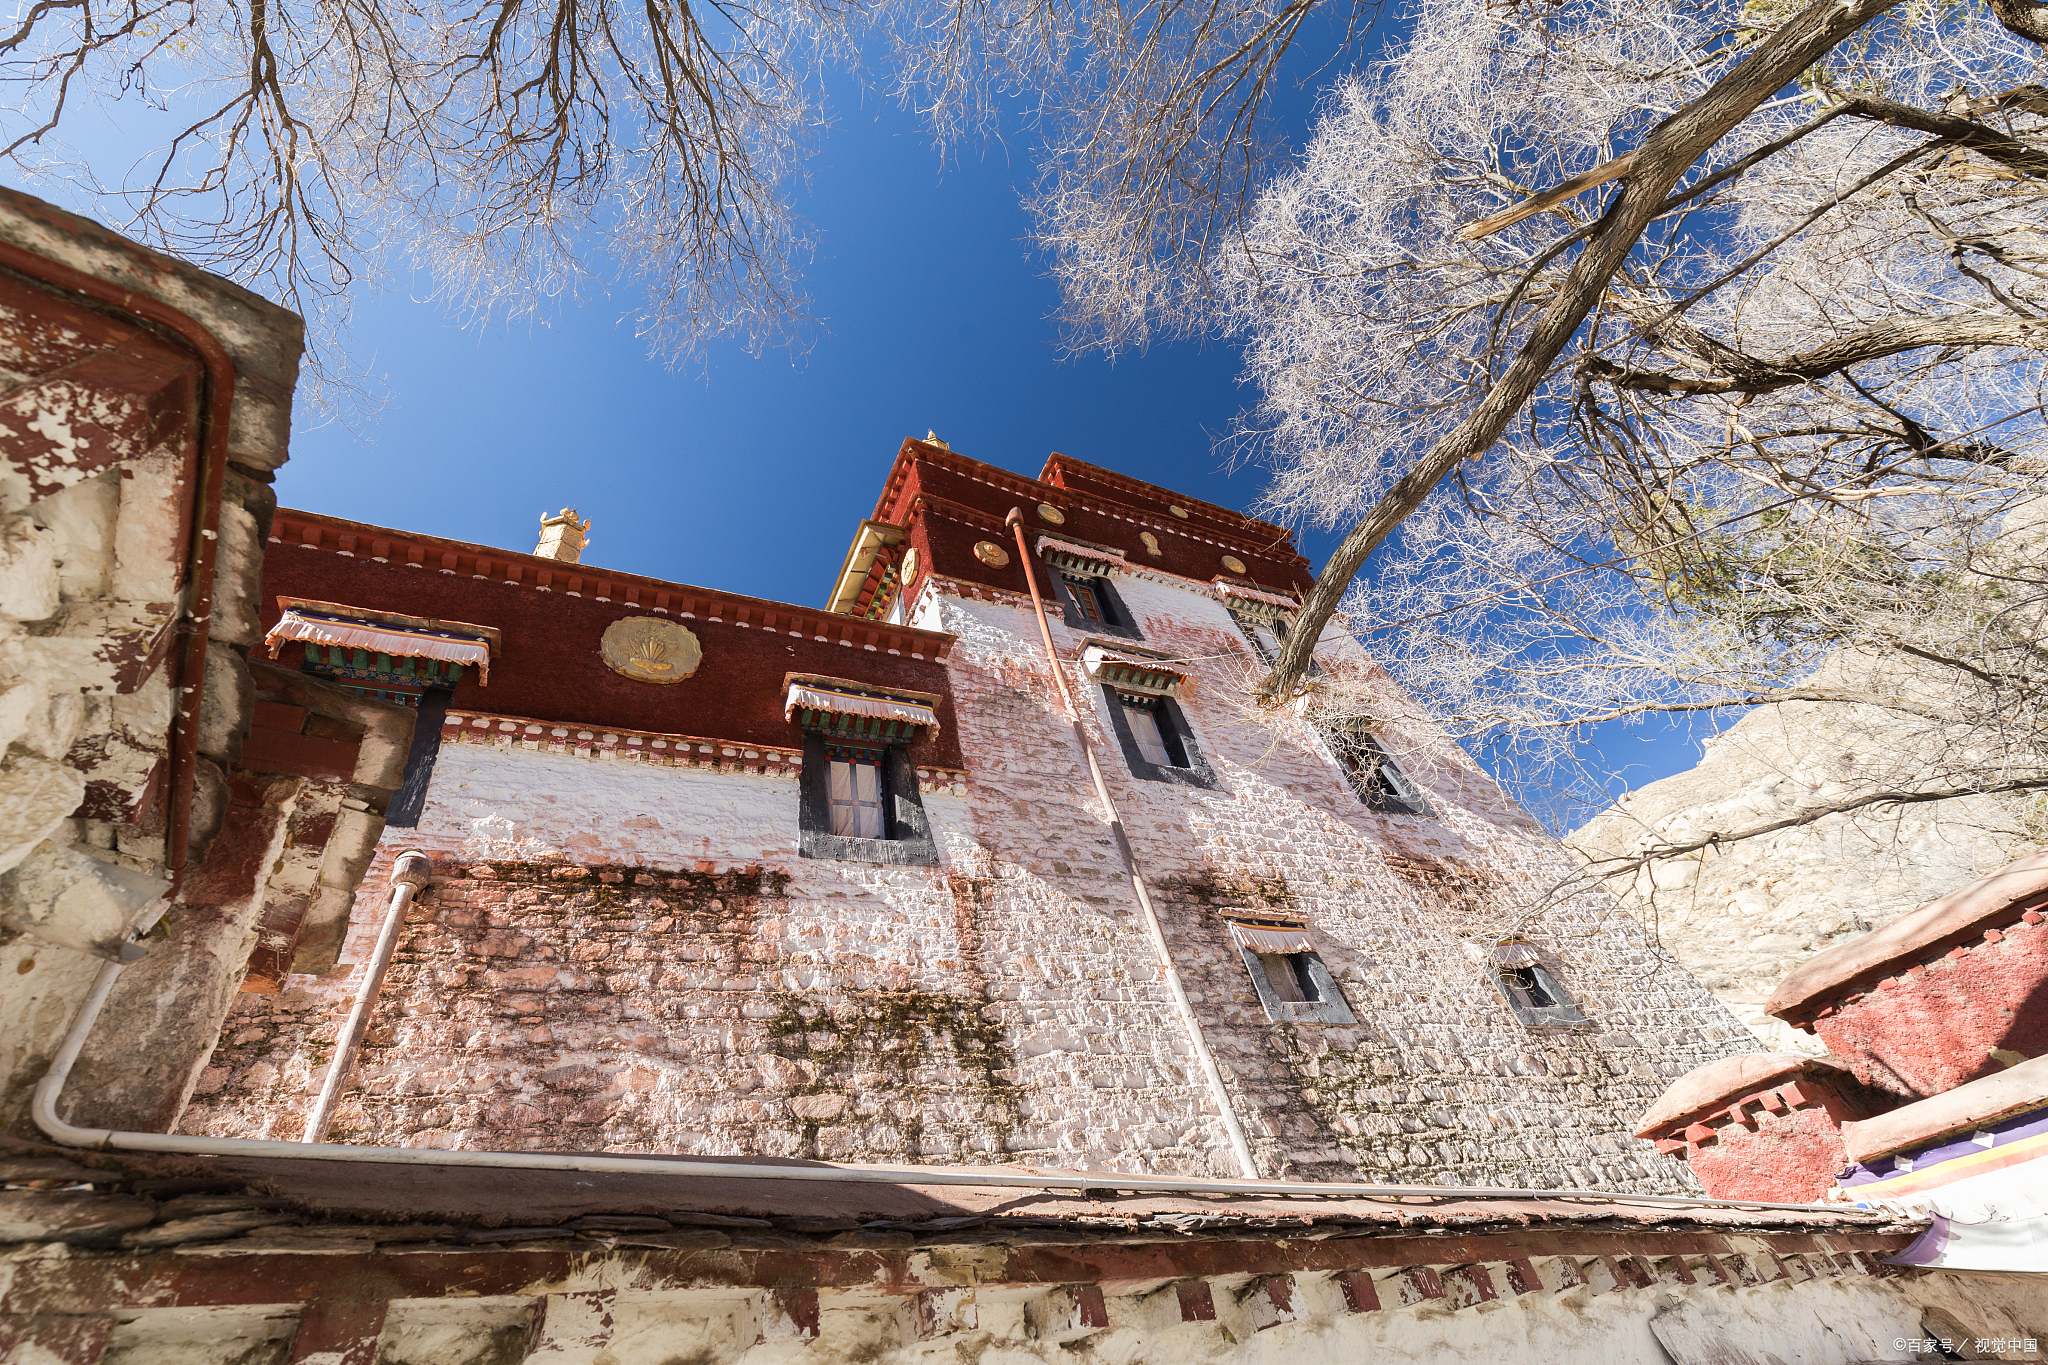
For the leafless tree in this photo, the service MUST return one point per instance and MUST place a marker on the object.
(523, 148)
(307, 142)
(1777, 402)
(1536, 101)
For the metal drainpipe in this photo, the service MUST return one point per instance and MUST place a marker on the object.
(409, 873)
(43, 1108)
(1217, 1091)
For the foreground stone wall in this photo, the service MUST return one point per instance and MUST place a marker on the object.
(630, 956)
(292, 1260)
(103, 418)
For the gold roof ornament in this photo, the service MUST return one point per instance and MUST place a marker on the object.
(650, 650)
(562, 536)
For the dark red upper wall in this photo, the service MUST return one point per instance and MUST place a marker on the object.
(551, 668)
(949, 503)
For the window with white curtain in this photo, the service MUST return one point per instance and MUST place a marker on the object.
(856, 796)
(1145, 732)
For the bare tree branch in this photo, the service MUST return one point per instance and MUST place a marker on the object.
(1665, 155)
(1894, 337)
(1613, 867)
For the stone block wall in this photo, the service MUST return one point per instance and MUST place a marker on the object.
(622, 955)
(105, 490)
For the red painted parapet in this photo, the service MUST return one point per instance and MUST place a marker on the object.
(1955, 991)
(1761, 1126)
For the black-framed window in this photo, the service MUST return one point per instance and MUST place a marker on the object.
(1092, 603)
(1374, 775)
(1535, 997)
(1296, 988)
(1266, 634)
(410, 800)
(858, 802)
(854, 794)
(1154, 735)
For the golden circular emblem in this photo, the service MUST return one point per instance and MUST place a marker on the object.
(1048, 512)
(1151, 542)
(650, 650)
(1179, 511)
(991, 554)
(1233, 563)
(908, 571)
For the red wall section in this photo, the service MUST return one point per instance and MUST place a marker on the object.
(551, 668)
(1934, 1027)
(1780, 1143)
(950, 503)
(1791, 1157)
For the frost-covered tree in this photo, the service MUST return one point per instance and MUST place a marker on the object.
(516, 149)
(1776, 400)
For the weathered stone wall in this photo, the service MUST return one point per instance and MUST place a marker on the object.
(1741, 915)
(101, 428)
(477, 1266)
(621, 955)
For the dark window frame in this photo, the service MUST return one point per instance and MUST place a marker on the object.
(1407, 798)
(409, 802)
(1329, 1008)
(1117, 619)
(908, 841)
(1564, 1012)
(1173, 730)
(1246, 621)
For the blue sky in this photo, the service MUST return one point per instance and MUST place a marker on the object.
(750, 473)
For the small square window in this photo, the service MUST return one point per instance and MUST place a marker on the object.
(1290, 977)
(1266, 633)
(1373, 773)
(859, 803)
(1144, 723)
(1524, 988)
(1157, 743)
(1086, 600)
(1091, 603)
(1296, 988)
(1534, 996)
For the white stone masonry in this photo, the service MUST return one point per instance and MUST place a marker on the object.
(617, 955)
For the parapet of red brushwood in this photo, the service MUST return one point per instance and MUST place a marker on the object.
(1954, 991)
(1766, 1125)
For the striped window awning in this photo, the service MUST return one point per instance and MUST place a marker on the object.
(1130, 672)
(1088, 559)
(1515, 954)
(1242, 598)
(1273, 936)
(387, 633)
(849, 710)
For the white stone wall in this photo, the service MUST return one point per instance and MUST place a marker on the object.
(635, 957)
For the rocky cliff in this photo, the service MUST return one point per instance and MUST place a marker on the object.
(1740, 915)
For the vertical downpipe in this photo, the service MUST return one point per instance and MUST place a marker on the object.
(412, 871)
(1239, 1147)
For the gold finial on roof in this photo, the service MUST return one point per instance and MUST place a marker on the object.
(562, 536)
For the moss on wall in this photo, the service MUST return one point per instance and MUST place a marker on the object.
(901, 1059)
